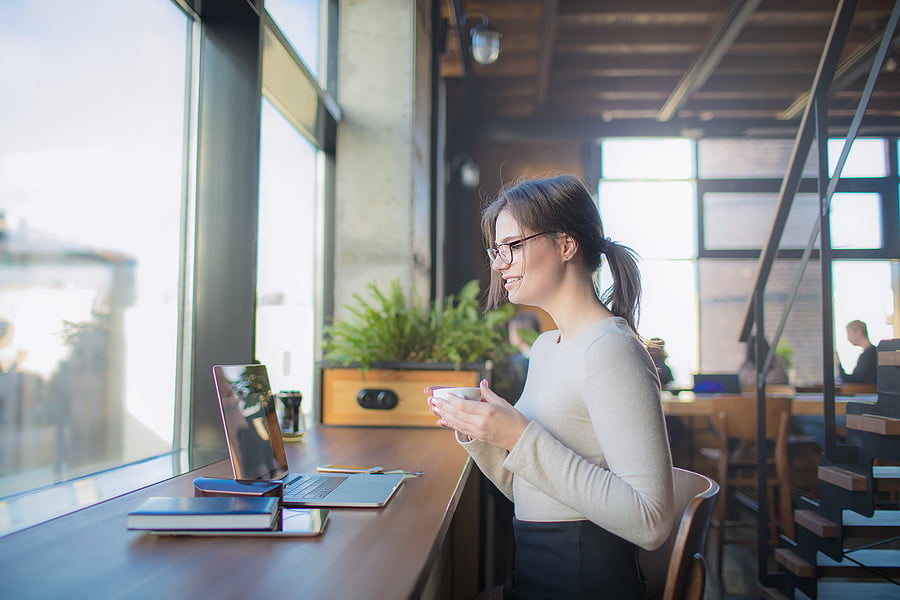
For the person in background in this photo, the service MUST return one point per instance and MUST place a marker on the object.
(776, 375)
(657, 349)
(527, 324)
(867, 364)
(583, 454)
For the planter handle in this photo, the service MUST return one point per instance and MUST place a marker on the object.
(377, 399)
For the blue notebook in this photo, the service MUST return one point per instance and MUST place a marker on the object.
(158, 514)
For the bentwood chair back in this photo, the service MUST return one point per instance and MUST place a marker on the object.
(734, 422)
(677, 570)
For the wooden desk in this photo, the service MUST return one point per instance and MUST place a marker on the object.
(364, 553)
(688, 406)
(700, 405)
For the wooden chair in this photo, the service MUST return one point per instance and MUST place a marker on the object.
(851, 389)
(676, 570)
(734, 422)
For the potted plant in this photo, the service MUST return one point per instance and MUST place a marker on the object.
(378, 360)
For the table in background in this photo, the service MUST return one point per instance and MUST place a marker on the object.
(394, 552)
(690, 406)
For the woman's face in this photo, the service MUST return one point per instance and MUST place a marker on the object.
(536, 268)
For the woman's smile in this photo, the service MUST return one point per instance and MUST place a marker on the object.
(509, 282)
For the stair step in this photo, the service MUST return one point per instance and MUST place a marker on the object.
(887, 478)
(852, 590)
(843, 478)
(885, 561)
(794, 563)
(874, 424)
(767, 593)
(882, 523)
(816, 523)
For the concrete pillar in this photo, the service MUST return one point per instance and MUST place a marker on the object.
(383, 209)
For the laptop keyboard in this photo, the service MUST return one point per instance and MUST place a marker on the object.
(312, 488)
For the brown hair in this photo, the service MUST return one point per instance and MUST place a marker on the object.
(564, 205)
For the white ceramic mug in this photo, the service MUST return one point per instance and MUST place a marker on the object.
(469, 393)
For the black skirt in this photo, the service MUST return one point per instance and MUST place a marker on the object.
(572, 559)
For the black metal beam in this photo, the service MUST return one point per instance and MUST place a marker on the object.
(457, 15)
(834, 46)
(852, 68)
(527, 129)
(695, 78)
(545, 51)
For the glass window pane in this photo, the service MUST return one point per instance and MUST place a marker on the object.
(91, 206)
(734, 221)
(748, 159)
(285, 85)
(656, 219)
(856, 221)
(647, 159)
(670, 288)
(725, 286)
(867, 158)
(285, 315)
(862, 290)
(298, 20)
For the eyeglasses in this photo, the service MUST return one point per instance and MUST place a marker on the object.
(505, 250)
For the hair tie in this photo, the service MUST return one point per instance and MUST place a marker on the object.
(605, 244)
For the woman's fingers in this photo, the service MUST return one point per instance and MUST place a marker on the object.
(488, 395)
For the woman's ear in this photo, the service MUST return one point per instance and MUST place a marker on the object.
(569, 247)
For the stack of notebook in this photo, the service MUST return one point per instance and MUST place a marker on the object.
(213, 513)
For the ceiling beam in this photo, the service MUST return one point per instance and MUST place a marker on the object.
(852, 68)
(527, 128)
(700, 71)
(545, 51)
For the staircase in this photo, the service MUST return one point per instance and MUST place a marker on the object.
(852, 532)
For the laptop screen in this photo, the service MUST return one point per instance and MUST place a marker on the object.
(716, 383)
(251, 424)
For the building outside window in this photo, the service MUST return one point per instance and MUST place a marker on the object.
(92, 218)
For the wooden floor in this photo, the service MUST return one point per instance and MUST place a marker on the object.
(739, 572)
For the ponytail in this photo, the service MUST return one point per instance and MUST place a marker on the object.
(623, 297)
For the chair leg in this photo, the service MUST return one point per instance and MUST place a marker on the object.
(721, 516)
(787, 508)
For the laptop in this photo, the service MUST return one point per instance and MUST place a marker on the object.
(716, 383)
(257, 451)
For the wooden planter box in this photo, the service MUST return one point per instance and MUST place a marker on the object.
(388, 394)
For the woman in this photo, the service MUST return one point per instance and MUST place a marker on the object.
(583, 455)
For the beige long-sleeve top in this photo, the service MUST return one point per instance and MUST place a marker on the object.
(596, 447)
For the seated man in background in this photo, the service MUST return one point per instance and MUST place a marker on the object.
(867, 363)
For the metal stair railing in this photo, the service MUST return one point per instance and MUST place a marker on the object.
(813, 125)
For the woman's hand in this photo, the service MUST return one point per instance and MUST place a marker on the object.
(493, 420)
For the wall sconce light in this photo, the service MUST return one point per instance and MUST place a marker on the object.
(467, 169)
(485, 40)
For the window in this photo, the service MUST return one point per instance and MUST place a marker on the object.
(700, 239)
(286, 290)
(92, 204)
(299, 20)
(647, 202)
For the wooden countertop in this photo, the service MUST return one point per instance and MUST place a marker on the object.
(700, 405)
(364, 553)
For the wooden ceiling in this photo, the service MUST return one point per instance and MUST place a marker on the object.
(583, 68)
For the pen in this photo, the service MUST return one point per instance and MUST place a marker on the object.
(398, 472)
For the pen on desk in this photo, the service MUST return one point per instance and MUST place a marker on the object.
(398, 472)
